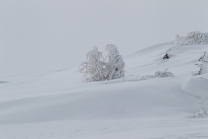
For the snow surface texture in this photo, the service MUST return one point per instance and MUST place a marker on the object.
(58, 105)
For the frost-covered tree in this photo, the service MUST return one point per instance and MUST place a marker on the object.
(96, 70)
(114, 65)
(93, 68)
(196, 37)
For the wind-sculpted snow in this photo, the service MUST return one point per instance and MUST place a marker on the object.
(58, 105)
(197, 86)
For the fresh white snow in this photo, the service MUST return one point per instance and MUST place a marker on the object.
(58, 105)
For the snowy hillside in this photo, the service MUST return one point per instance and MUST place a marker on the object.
(58, 105)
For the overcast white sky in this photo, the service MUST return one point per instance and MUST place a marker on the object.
(47, 35)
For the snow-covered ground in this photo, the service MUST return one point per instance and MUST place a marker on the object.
(58, 105)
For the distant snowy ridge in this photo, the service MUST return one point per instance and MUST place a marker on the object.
(152, 48)
(192, 38)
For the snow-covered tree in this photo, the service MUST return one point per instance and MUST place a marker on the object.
(114, 66)
(93, 68)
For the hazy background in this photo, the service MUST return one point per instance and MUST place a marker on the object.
(47, 35)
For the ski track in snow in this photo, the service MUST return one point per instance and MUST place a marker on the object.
(58, 105)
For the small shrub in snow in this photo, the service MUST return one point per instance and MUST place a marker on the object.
(93, 68)
(200, 114)
(166, 56)
(204, 58)
(114, 67)
(202, 70)
(192, 38)
(163, 74)
(202, 66)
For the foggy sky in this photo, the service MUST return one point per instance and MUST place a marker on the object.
(48, 35)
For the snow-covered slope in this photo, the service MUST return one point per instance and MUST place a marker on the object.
(58, 105)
